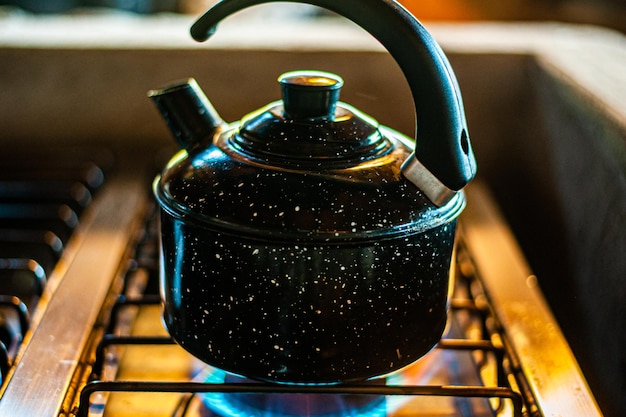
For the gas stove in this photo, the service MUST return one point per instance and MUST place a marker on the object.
(116, 359)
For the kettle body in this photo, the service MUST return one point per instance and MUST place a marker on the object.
(296, 246)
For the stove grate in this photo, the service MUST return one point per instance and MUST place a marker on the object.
(506, 390)
(42, 195)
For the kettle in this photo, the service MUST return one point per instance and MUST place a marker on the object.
(307, 243)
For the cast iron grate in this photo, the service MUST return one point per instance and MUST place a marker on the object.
(42, 196)
(507, 392)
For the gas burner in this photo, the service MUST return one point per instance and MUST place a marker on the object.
(445, 365)
(286, 405)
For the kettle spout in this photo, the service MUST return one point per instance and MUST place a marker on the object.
(187, 112)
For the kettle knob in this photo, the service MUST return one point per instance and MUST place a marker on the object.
(310, 94)
(443, 161)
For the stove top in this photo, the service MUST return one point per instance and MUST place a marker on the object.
(97, 347)
(468, 370)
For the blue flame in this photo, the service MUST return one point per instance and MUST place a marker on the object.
(288, 405)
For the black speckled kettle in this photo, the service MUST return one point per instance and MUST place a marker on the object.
(307, 243)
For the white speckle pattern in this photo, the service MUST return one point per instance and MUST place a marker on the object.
(305, 312)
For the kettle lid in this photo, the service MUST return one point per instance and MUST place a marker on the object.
(307, 168)
(308, 129)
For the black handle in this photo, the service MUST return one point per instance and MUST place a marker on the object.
(443, 145)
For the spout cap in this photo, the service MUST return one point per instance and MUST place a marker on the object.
(187, 112)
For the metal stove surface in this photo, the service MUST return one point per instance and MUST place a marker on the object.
(467, 363)
(138, 370)
(433, 382)
(112, 357)
(43, 194)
